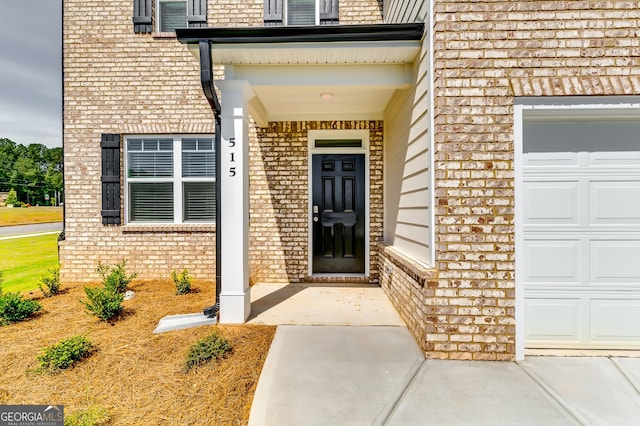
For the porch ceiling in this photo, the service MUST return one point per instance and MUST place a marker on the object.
(358, 68)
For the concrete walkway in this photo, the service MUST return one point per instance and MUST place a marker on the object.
(376, 375)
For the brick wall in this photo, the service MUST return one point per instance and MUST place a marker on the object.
(279, 209)
(116, 81)
(361, 12)
(120, 82)
(486, 53)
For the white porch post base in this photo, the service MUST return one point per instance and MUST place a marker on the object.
(235, 305)
(235, 308)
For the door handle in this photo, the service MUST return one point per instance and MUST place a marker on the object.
(315, 210)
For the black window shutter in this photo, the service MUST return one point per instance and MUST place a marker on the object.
(329, 13)
(142, 16)
(197, 13)
(110, 147)
(272, 13)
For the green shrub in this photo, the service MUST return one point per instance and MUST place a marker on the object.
(1, 281)
(182, 281)
(65, 354)
(103, 302)
(115, 277)
(50, 283)
(14, 308)
(12, 198)
(211, 348)
(92, 416)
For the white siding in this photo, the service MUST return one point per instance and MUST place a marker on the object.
(408, 189)
(406, 11)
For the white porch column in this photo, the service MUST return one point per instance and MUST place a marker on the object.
(235, 304)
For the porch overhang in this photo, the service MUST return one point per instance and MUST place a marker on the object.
(331, 72)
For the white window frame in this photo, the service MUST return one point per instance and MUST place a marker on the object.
(177, 179)
(286, 13)
(158, 21)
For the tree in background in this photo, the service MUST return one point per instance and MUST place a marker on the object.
(12, 197)
(35, 171)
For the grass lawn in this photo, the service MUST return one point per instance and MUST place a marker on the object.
(137, 377)
(25, 216)
(24, 260)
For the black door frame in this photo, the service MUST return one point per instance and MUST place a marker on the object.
(363, 135)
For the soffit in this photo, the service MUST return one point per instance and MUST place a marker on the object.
(288, 68)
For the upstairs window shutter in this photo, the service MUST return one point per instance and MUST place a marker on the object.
(110, 147)
(329, 13)
(197, 13)
(142, 16)
(272, 13)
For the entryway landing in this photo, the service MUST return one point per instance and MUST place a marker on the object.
(322, 304)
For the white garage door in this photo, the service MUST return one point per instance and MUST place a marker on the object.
(582, 233)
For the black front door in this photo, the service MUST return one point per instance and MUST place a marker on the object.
(338, 213)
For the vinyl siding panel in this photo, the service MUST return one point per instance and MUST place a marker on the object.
(408, 188)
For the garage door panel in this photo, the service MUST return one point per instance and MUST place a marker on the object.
(552, 202)
(550, 159)
(615, 158)
(614, 261)
(615, 321)
(551, 261)
(614, 202)
(553, 319)
(581, 230)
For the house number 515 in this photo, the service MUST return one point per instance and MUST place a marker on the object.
(232, 144)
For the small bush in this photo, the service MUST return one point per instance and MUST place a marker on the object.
(103, 302)
(1, 281)
(50, 283)
(115, 277)
(14, 308)
(92, 416)
(12, 198)
(211, 348)
(65, 354)
(182, 281)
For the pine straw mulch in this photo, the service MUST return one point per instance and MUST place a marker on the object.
(137, 376)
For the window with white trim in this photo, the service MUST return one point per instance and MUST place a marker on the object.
(171, 14)
(170, 179)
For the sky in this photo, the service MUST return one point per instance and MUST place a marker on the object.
(31, 71)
